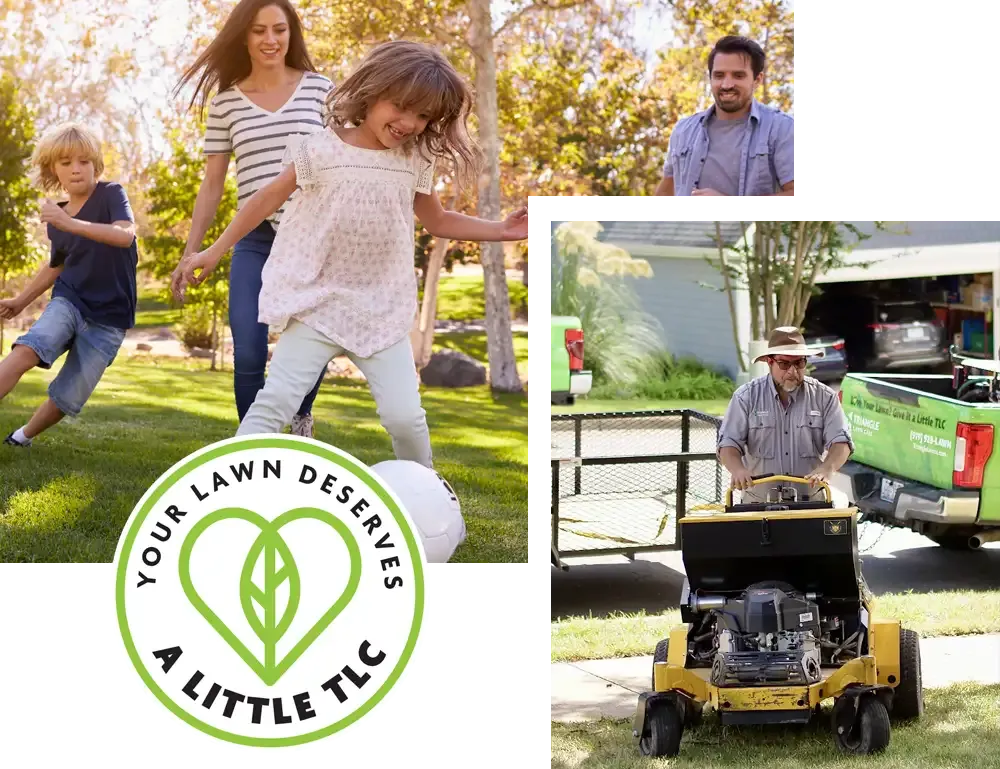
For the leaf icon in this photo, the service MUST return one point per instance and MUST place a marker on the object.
(259, 599)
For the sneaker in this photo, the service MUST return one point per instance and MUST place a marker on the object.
(302, 426)
(9, 441)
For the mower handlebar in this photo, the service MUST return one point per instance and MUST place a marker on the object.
(774, 478)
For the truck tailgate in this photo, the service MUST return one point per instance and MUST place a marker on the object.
(901, 430)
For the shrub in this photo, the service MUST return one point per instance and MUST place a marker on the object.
(665, 378)
(195, 327)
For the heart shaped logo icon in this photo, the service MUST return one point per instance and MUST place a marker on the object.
(259, 600)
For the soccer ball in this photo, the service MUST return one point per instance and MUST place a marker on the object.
(431, 503)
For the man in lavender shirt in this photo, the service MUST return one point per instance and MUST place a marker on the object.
(738, 146)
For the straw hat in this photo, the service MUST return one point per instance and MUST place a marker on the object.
(788, 340)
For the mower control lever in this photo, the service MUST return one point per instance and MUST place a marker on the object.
(771, 479)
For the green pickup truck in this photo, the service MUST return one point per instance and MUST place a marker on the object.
(924, 451)
(569, 378)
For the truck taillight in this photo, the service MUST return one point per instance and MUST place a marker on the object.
(973, 447)
(574, 346)
(840, 395)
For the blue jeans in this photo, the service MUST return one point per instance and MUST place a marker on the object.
(249, 335)
(92, 348)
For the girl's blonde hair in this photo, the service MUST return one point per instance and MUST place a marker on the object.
(64, 141)
(413, 76)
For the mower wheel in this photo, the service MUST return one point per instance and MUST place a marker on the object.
(908, 698)
(659, 655)
(664, 729)
(691, 709)
(870, 731)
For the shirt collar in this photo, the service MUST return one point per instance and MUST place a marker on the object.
(754, 112)
(774, 389)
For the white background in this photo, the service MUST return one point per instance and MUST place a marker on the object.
(474, 693)
(898, 100)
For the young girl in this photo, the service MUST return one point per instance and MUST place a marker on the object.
(340, 276)
(269, 93)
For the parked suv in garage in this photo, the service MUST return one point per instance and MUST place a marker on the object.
(883, 334)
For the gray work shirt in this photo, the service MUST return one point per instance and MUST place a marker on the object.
(779, 440)
(765, 160)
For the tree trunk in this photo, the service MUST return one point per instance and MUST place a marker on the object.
(424, 338)
(728, 286)
(215, 336)
(499, 339)
(3, 290)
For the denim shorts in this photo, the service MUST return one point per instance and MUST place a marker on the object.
(92, 348)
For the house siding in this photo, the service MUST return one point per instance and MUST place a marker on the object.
(695, 319)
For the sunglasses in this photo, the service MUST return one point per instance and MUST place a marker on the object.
(784, 365)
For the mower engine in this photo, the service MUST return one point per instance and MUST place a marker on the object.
(766, 636)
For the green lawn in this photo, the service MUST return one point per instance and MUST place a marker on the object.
(584, 406)
(462, 297)
(958, 612)
(473, 343)
(68, 498)
(151, 311)
(960, 728)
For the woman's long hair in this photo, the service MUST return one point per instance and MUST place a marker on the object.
(413, 76)
(226, 61)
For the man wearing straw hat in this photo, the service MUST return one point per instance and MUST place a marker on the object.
(783, 423)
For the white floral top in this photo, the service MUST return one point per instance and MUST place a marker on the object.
(342, 259)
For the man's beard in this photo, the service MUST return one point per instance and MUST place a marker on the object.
(790, 388)
(734, 105)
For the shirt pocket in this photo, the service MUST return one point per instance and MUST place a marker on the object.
(810, 441)
(761, 436)
(763, 180)
(684, 177)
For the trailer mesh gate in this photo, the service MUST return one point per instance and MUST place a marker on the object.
(622, 481)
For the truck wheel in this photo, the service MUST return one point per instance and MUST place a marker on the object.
(663, 731)
(659, 655)
(870, 730)
(908, 699)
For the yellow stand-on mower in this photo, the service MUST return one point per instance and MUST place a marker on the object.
(779, 619)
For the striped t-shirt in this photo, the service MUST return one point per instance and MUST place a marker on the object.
(257, 137)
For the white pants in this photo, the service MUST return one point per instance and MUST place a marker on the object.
(302, 353)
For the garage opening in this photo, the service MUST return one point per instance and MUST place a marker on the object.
(903, 324)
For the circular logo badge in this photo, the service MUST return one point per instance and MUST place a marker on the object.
(269, 590)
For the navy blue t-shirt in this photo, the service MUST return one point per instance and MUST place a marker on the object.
(98, 279)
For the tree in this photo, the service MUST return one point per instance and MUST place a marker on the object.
(19, 251)
(700, 23)
(174, 188)
(778, 263)
(499, 338)
(87, 76)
